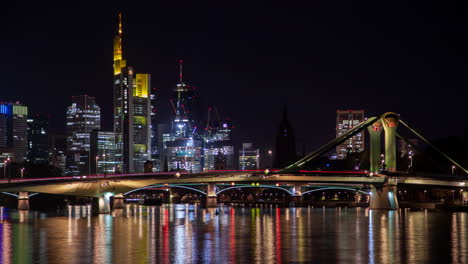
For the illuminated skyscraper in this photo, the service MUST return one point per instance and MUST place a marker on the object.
(13, 129)
(183, 146)
(155, 154)
(218, 147)
(132, 110)
(346, 120)
(103, 149)
(83, 116)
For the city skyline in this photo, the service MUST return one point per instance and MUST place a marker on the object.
(258, 78)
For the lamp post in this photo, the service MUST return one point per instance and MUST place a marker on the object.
(22, 173)
(97, 158)
(270, 154)
(453, 169)
(4, 167)
(104, 161)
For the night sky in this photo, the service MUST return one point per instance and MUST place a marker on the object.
(248, 60)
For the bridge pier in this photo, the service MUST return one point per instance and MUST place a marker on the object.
(297, 199)
(23, 201)
(384, 197)
(390, 123)
(211, 197)
(374, 132)
(118, 201)
(104, 204)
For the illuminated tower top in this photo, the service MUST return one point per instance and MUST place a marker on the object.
(119, 62)
(183, 95)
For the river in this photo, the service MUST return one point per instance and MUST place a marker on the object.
(185, 233)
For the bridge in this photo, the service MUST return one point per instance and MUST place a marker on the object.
(381, 186)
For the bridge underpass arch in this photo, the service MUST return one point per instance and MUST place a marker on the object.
(335, 188)
(357, 197)
(255, 186)
(167, 186)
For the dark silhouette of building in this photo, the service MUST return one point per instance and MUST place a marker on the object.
(285, 153)
(38, 139)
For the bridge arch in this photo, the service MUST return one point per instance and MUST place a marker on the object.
(169, 186)
(335, 188)
(251, 186)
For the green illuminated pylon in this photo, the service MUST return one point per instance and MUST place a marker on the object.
(374, 132)
(390, 123)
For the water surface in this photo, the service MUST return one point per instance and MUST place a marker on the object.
(190, 234)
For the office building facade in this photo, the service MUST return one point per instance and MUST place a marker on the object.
(183, 145)
(38, 139)
(83, 116)
(346, 120)
(249, 157)
(218, 146)
(132, 111)
(14, 130)
(103, 151)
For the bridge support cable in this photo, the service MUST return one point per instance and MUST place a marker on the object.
(434, 147)
(324, 149)
(429, 158)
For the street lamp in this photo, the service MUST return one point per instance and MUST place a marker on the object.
(97, 158)
(270, 153)
(104, 161)
(453, 169)
(4, 167)
(22, 173)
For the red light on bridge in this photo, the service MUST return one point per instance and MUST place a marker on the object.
(277, 184)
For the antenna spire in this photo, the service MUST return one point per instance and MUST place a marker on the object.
(180, 70)
(120, 24)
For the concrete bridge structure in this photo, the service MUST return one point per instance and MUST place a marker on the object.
(380, 184)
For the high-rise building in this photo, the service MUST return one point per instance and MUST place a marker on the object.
(285, 148)
(132, 111)
(13, 129)
(249, 157)
(38, 139)
(218, 147)
(103, 150)
(83, 116)
(155, 156)
(346, 120)
(183, 146)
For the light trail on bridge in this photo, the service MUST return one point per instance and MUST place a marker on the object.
(169, 174)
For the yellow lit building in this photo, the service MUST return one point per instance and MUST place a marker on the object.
(131, 112)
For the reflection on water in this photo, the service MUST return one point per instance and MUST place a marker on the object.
(189, 234)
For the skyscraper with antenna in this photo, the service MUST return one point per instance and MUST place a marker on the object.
(183, 144)
(132, 120)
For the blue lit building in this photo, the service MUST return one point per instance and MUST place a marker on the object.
(13, 130)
